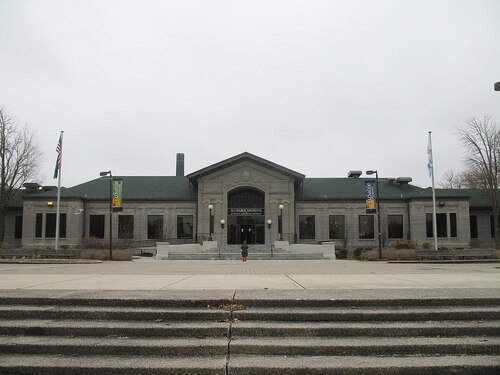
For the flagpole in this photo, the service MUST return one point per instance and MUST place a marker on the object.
(58, 169)
(434, 221)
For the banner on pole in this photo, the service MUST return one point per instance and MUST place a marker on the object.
(117, 195)
(370, 191)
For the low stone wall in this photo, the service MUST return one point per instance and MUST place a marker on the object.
(164, 248)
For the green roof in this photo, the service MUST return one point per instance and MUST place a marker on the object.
(135, 188)
(352, 189)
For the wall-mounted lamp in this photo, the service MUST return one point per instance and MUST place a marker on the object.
(50, 203)
(222, 222)
(441, 204)
(269, 222)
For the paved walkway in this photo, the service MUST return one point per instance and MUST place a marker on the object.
(150, 274)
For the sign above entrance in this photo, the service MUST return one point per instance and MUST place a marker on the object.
(245, 211)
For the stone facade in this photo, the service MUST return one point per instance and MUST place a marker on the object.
(316, 203)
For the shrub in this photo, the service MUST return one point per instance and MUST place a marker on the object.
(357, 252)
(341, 253)
(389, 254)
(96, 254)
(405, 244)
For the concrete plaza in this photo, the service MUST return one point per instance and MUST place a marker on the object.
(148, 275)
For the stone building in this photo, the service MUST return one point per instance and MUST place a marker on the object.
(247, 198)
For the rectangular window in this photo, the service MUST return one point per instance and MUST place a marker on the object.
(473, 227)
(442, 230)
(337, 227)
(18, 227)
(185, 226)
(50, 225)
(96, 226)
(155, 227)
(453, 225)
(307, 227)
(38, 225)
(492, 225)
(395, 226)
(366, 227)
(126, 227)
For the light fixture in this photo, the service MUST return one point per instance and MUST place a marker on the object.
(222, 222)
(50, 203)
(269, 222)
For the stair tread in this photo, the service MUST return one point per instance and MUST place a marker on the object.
(362, 341)
(364, 362)
(112, 362)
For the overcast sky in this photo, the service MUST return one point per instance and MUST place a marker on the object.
(319, 87)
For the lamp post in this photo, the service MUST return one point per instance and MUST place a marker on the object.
(102, 174)
(370, 172)
(210, 208)
(280, 223)
(269, 223)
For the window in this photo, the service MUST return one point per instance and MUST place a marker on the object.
(18, 227)
(185, 226)
(155, 227)
(50, 225)
(337, 227)
(366, 227)
(307, 228)
(473, 227)
(126, 227)
(492, 225)
(96, 226)
(442, 230)
(453, 225)
(395, 226)
(38, 225)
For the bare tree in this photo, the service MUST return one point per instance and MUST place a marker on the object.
(19, 160)
(452, 180)
(481, 138)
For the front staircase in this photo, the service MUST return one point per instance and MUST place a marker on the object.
(255, 252)
(248, 333)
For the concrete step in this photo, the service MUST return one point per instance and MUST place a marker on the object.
(376, 346)
(237, 256)
(113, 345)
(368, 314)
(156, 332)
(363, 365)
(113, 313)
(100, 328)
(112, 365)
(352, 329)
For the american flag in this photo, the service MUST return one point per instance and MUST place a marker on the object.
(59, 156)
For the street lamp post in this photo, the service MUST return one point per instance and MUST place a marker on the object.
(102, 174)
(280, 223)
(378, 213)
(269, 223)
(210, 208)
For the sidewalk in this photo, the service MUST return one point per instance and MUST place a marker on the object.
(148, 274)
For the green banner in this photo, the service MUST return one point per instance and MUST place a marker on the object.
(117, 195)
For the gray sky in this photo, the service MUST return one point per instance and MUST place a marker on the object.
(320, 87)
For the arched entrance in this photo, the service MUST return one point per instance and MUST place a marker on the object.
(245, 216)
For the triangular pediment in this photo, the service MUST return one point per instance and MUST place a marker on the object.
(244, 157)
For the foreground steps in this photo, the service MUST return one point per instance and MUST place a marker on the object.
(244, 333)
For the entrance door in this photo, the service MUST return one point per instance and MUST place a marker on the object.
(245, 216)
(247, 234)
